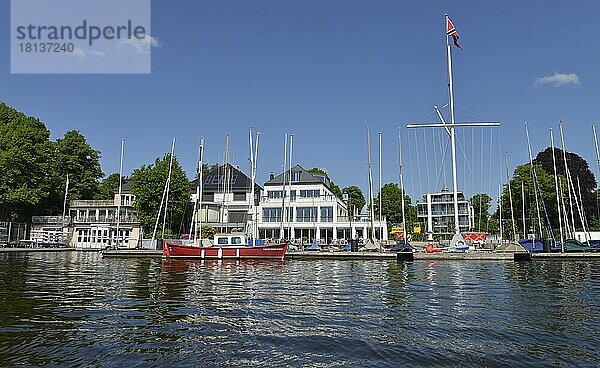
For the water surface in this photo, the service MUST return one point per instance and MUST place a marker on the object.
(79, 309)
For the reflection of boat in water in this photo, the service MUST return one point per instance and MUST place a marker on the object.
(224, 246)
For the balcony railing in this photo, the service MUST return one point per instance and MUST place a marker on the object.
(105, 219)
(92, 203)
(51, 220)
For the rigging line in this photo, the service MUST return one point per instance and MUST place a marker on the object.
(442, 172)
(410, 165)
(466, 165)
(435, 148)
(473, 158)
(427, 164)
(418, 163)
(490, 162)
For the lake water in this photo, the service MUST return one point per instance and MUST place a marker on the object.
(79, 309)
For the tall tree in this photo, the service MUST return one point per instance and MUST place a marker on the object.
(147, 183)
(73, 156)
(391, 203)
(356, 198)
(579, 169)
(108, 186)
(481, 206)
(25, 152)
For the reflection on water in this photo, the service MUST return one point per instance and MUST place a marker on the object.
(81, 309)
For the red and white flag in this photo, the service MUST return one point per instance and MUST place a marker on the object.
(451, 31)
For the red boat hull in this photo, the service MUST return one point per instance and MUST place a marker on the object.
(269, 251)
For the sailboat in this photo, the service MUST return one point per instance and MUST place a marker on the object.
(457, 244)
(225, 245)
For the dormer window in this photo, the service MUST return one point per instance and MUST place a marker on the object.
(295, 176)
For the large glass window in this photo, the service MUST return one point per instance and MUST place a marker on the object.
(272, 214)
(306, 214)
(326, 214)
(310, 193)
(274, 193)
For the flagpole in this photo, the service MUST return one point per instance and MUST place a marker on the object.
(65, 200)
(452, 134)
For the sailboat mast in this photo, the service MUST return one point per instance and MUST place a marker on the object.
(512, 212)
(255, 213)
(371, 206)
(562, 239)
(168, 186)
(194, 221)
(251, 203)
(534, 179)
(523, 210)
(452, 133)
(120, 189)
(380, 196)
(500, 210)
(284, 182)
(402, 187)
(289, 192)
(562, 141)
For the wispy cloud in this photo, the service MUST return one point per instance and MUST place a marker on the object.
(81, 54)
(558, 79)
(138, 46)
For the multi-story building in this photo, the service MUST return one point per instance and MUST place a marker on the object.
(310, 211)
(92, 223)
(437, 210)
(226, 199)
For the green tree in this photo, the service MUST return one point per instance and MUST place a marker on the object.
(481, 207)
(334, 187)
(391, 204)
(356, 199)
(547, 201)
(581, 176)
(147, 184)
(108, 186)
(206, 168)
(25, 152)
(73, 156)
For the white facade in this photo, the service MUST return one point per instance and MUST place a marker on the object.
(311, 212)
(437, 210)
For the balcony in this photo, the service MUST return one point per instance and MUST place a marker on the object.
(130, 219)
(92, 203)
(51, 220)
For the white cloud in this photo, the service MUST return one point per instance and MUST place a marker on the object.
(81, 54)
(558, 79)
(138, 46)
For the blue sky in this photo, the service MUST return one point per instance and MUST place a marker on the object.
(326, 70)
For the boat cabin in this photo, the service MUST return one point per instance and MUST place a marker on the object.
(229, 239)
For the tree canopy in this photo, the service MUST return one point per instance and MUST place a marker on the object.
(356, 199)
(147, 184)
(391, 204)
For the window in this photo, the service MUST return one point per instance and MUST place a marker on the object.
(272, 214)
(306, 214)
(292, 195)
(274, 193)
(326, 214)
(239, 196)
(310, 193)
(296, 176)
(236, 240)
(210, 197)
(222, 241)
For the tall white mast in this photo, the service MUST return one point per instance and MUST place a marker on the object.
(252, 181)
(596, 145)
(562, 141)
(64, 213)
(196, 223)
(168, 186)
(500, 210)
(120, 190)
(558, 199)
(162, 200)
(510, 198)
(289, 191)
(402, 188)
(523, 210)
(534, 179)
(380, 194)
(284, 184)
(371, 206)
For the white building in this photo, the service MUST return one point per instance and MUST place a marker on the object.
(226, 198)
(311, 211)
(437, 210)
(92, 223)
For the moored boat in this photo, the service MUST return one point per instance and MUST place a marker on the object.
(225, 246)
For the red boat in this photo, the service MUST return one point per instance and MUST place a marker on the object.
(227, 247)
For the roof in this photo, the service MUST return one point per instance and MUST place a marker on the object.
(239, 182)
(304, 177)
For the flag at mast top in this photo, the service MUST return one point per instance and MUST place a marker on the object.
(451, 31)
